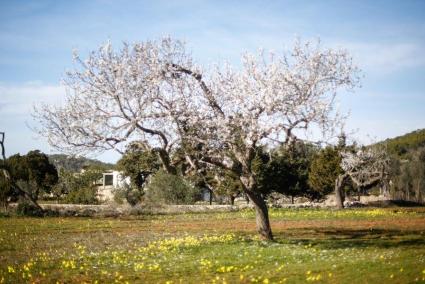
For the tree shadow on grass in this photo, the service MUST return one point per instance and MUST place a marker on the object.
(350, 238)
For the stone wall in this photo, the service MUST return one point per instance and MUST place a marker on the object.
(113, 210)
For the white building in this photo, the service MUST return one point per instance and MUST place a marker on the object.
(111, 180)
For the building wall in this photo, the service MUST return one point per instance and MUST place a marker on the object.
(118, 180)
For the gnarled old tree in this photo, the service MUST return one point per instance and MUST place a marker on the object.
(152, 92)
(8, 181)
(365, 167)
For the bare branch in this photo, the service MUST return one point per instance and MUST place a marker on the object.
(366, 167)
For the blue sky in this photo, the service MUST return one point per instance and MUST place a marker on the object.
(386, 39)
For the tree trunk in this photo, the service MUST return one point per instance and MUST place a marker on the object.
(339, 196)
(166, 161)
(210, 191)
(232, 200)
(20, 191)
(292, 199)
(249, 184)
(261, 215)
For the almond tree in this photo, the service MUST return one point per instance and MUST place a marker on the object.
(152, 92)
(366, 167)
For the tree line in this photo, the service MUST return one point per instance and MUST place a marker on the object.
(301, 169)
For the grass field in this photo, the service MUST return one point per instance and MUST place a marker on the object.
(349, 246)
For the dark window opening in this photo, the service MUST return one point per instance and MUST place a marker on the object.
(109, 179)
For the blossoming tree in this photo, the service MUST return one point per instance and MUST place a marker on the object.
(153, 93)
(366, 167)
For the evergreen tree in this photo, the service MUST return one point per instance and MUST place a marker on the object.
(138, 163)
(324, 170)
(285, 170)
(33, 171)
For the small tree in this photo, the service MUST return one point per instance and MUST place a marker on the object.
(34, 171)
(62, 187)
(365, 167)
(324, 170)
(408, 177)
(152, 92)
(165, 188)
(285, 170)
(138, 163)
(80, 188)
(8, 184)
(226, 183)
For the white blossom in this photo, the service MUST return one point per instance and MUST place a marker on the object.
(153, 92)
(366, 166)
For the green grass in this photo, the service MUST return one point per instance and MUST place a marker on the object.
(349, 246)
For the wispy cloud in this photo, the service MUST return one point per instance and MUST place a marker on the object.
(383, 58)
(18, 99)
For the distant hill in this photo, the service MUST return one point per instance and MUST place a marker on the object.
(75, 164)
(409, 142)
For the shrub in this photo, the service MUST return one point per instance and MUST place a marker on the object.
(119, 195)
(166, 188)
(132, 195)
(83, 195)
(78, 188)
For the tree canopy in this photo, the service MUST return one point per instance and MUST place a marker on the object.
(324, 170)
(153, 92)
(138, 163)
(35, 169)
